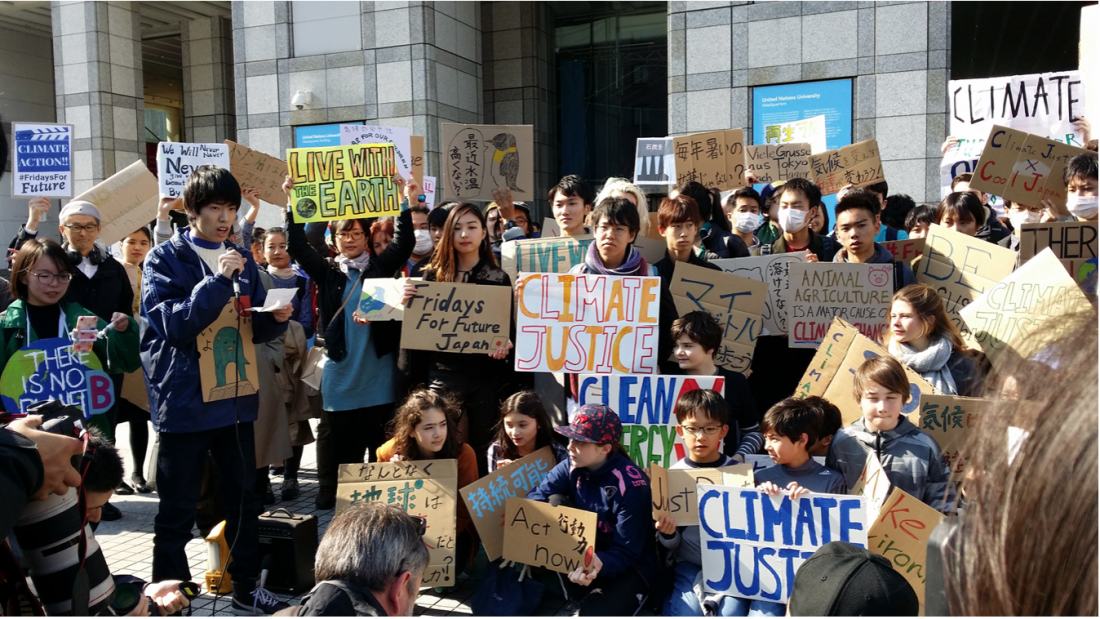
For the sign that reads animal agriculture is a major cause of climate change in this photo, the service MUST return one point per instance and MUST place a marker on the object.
(857, 293)
(343, 182)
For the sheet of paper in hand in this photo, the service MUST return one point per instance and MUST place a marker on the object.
(486, 498)
(477, 159)
(380, 299)
(41, 163)
(227, 356)
(343, 182)
(538, 534)
(177, 160)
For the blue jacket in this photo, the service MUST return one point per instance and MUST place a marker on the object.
(618, 492)
(178, 300)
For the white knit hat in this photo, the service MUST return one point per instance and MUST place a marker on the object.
(79, 207)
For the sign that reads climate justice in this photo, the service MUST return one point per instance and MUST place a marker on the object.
(587, 323)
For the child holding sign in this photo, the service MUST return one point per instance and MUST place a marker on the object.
(524, 429)
(911, 458)
(600, 478)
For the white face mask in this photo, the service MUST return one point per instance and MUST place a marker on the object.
(793, 220)
(747, 222)
(423, 242)
(1084, 207)
(1019, 218)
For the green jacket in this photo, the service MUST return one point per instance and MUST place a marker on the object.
(119, 353)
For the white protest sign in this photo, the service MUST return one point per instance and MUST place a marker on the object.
(429, 189)
(401, 138)
(856, 293)
(41, 163)
(177, 160)
(654, 162)
(277, 298)
(753, 543)
(773, 271)
(808, 130)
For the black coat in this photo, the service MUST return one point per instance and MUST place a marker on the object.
(724, 244)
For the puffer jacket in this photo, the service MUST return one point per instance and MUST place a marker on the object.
(618, 492)
(912, 461)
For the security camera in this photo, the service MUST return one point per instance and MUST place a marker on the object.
(302, 99)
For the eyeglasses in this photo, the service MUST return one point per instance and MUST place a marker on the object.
(350, 236)
(697, 431)
(614, 230)
(421, 525)
(45, 277)
(90, 228)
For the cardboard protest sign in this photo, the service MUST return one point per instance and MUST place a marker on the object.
(177, 160)
(465, 318)
(961, 268)
(541, 535)
(401, 138)
(737, 303)
(1073, 242)
(555, 254)
(873, 485)
(41, 162)
(760, 462)
(587, 323)
(900, 533)
(856, 293)
(772, 270)
(258, 170)
(49, 369)
(422, 488)
(713, 158)
(550, 227)
(806, 131)
(480, 158)
(126, 201)
(976, 105)
(416, 143)
(485, 499)
(654, 163)
(343, 182)
(779, 162)
(380, 299)
(1021, 315)
(830, 373)
(227, 357)
(674, 493)
(754, 543)
(134, 390)
(949, 420)
(857, 164)
(653, 250)
(904, 250)
(646, 407)
(1023, 167)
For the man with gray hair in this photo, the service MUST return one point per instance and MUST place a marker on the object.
(369, 564)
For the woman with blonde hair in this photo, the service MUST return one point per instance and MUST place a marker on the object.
(622, 188)
(922, 336)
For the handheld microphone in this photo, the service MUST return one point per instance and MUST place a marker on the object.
(237, 284)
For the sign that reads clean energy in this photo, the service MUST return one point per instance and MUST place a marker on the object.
(42, 164)
(343, 182)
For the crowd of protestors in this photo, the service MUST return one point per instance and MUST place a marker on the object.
(379, 402)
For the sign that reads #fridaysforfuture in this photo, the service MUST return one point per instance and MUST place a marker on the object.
(49, 369)
(462, 318)
(343, 182)
(177, 160)
(646, 406)
(587, 323)
(856, 293)
(754, 543)
(42, 163)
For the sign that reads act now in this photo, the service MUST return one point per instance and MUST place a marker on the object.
(344, 182)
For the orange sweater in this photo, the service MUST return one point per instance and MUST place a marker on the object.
(467, 474)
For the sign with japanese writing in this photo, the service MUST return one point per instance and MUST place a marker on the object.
(808, 131)
(949, 420)
(463, 318)
(126, 201)
(829, 374)
(874, 485)
(258, 170)
(858, 164)
(477, 159)
(41, 162)
(646, 406)
(754, 543)
(654, 163)
(714, 158)
(1022, 314)
(380, 299)
(177, 160)
(1023, 167)
(227, 356)
(49, 369)
(1073, 242)
(779, 162)
(674, 490)
(401, 138)
(343, 182)
(961, 268)
(904, 250)
(856, 293)
(541, 535)
(900, 533)
(772, 270)
(485, 499)
(737, 303)
(599, 324)
(427, 489)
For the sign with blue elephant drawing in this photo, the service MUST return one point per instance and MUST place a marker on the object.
(227, 356)
(480, 158)
(49, 369)
(380, 299)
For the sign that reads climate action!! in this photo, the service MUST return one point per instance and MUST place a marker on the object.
(587, 323)
(42, 164)
(343, 182)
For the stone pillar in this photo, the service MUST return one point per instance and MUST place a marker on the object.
(98, 83)
(208, 101)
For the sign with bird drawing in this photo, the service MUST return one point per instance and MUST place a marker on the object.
(480, 158)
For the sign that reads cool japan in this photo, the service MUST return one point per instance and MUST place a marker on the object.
(587, 323)
(343, 182)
